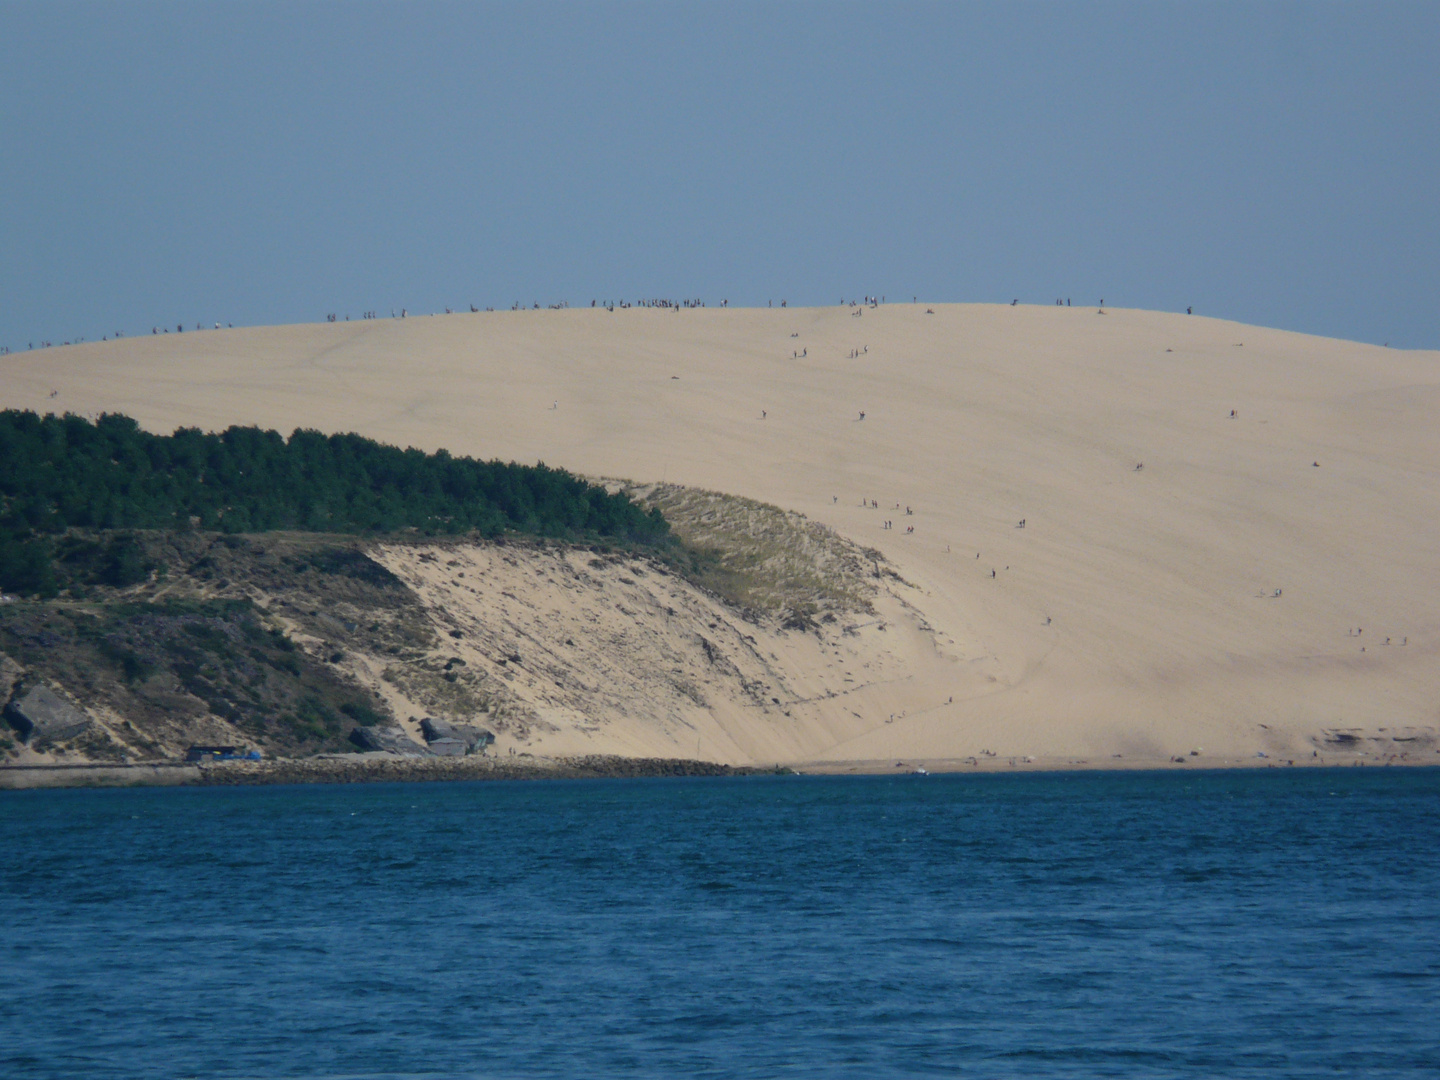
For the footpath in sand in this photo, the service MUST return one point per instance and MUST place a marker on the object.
(1230, 541)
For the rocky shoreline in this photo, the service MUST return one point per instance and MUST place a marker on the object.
(357, 769)
(351, 770)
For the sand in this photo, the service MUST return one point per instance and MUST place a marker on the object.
(1209, 600)
(615, 655)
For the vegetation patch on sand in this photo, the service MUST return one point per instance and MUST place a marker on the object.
(762, 558)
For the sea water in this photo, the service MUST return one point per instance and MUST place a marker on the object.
(1221, 924)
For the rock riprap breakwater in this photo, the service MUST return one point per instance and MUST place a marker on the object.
(363, 769)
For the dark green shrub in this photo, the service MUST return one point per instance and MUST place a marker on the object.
(26, 567)
(135, 667)
(361, 713)
(124, 563)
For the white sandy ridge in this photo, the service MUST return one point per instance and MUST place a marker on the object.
(1235, 593)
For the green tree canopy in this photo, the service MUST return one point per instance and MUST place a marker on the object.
(60, 473)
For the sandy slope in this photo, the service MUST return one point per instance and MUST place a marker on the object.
(1159, 584)
(610, 654)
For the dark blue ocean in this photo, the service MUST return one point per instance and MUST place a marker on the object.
(1228, 924)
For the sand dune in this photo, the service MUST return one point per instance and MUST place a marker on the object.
(1208, 600)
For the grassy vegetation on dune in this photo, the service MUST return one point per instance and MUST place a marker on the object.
(761, 557)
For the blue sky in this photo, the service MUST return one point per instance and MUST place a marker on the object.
(266, 163)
